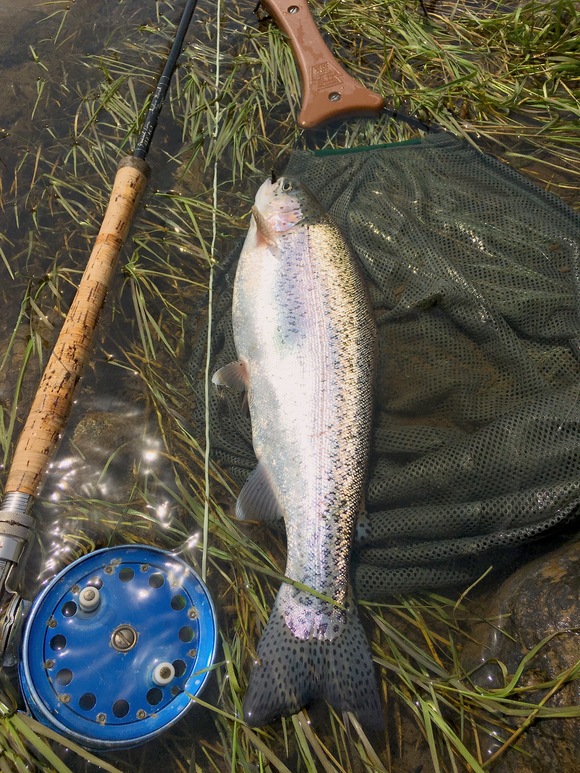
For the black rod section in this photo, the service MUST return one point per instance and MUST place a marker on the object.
(144, 141)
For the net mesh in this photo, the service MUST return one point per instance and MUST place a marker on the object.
(474, 278)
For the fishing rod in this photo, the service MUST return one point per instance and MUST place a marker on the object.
(142, 614)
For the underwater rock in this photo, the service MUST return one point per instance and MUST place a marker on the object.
(541, 600)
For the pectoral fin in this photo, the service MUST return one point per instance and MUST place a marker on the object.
(265, 235)
(257, 500)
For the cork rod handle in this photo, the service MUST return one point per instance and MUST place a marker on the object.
(327, 90)
(54, 397)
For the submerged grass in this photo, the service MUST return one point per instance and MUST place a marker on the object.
(504, 77)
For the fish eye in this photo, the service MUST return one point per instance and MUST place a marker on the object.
(287, 186)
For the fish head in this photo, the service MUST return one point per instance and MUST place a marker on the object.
(282, 204)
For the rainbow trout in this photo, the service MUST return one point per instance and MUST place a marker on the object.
(305, 338)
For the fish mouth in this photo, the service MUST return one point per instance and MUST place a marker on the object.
(269, 189)
(280, 204)
(265, 191)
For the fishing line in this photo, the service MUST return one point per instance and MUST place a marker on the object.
(208, 363)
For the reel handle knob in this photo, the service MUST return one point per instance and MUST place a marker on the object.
(89, 599)
(163, 674)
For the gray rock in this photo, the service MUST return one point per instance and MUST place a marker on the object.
(540, 600)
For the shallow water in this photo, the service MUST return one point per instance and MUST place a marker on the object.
(111, 479)
(44, 250)
(114, 458)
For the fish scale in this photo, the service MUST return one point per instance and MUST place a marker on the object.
(305, 337)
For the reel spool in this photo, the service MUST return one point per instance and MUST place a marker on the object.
(116, 644)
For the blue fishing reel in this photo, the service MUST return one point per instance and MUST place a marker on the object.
(116, 646)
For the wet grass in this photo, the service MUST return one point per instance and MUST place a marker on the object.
(505, 78)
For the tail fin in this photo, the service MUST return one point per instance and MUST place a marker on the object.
(290, 672)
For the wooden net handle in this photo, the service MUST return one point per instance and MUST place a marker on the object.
(53, 400)
(327, 90)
